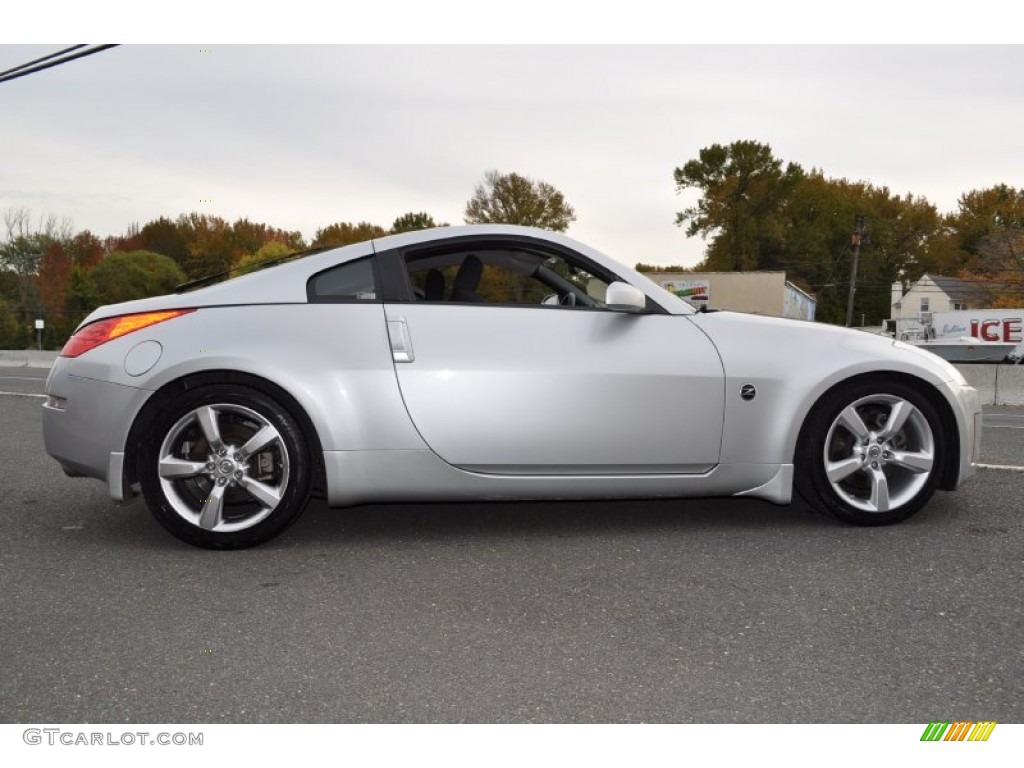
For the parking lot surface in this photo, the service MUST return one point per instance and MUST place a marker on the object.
(663, 611)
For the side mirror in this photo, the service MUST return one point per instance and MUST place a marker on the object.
(623, 297)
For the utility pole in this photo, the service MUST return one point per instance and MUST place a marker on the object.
(858, 235)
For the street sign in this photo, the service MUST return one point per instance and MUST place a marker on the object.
(40, 325)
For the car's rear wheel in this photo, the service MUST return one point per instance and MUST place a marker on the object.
(870, 453)
(225, 467)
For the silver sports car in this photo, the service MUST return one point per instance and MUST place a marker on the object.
(488, 362)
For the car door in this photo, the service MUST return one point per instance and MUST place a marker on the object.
(509, 362)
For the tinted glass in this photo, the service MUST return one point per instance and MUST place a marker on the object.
(353, 281)
(504, 275)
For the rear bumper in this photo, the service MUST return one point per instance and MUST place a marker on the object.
(88, 432)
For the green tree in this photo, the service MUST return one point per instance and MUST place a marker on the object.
(744, 188)
(165, 236)
(210, 242)
(269, 252)
(513, 199)
(13, 333)
(123, 276)
(22, 251)
(641, 267)
(985, 234)
(80, 297)
(760, 213)
(819, 218)
(410, 222)
(344, 233)
(8, 284)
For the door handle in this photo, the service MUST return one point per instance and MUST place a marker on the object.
(401, 341)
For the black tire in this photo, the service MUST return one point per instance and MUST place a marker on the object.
(865, 473)
(200, 484)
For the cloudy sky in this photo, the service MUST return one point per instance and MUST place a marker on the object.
(300, 136)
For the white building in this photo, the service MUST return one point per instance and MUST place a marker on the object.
(944, 308)
(761, 292)
(935, 293)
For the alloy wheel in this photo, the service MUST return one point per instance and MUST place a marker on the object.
(223, 467)
(879, 453)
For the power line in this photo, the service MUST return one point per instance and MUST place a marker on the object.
(41, 58)
(28, 69)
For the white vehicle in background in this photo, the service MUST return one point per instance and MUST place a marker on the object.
(1016, 356)
(965, 335)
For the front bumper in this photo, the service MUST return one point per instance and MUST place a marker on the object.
(967, 405)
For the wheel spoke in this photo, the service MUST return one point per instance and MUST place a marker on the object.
(176, 469)
(260, 440)
(207, 417)
(850, 419)
(879, 490)
(212, 508)
(264, 494)
(915, 462)
(840, 470)
(901, 411)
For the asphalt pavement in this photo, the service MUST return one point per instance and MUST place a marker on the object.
(669, 611)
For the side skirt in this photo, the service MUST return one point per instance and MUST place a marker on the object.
(360, 477)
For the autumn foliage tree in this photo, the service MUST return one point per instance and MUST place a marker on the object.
(508, 198)
(410, 222)
(759, 213)
(52, 280)
(164, 236)
(985, 237)
(345, 233)
(86, 250)
(744, 188)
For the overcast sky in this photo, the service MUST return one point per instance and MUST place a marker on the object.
(303, 136)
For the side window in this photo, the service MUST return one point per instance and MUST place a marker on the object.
(352, 281)
(496, 274)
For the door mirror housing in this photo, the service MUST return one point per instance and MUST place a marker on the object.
(623, 297)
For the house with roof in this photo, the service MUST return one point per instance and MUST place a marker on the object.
(936, 293)
(958, 313)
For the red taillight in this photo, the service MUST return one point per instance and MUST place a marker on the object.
(102, 331)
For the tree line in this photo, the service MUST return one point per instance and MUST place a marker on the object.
(48, 271)
(754, 210)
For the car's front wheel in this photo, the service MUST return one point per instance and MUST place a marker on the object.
(225, 467)
(870, 453)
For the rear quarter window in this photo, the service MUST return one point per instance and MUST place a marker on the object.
(351, 281)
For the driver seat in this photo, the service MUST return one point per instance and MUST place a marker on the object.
(467, 280)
